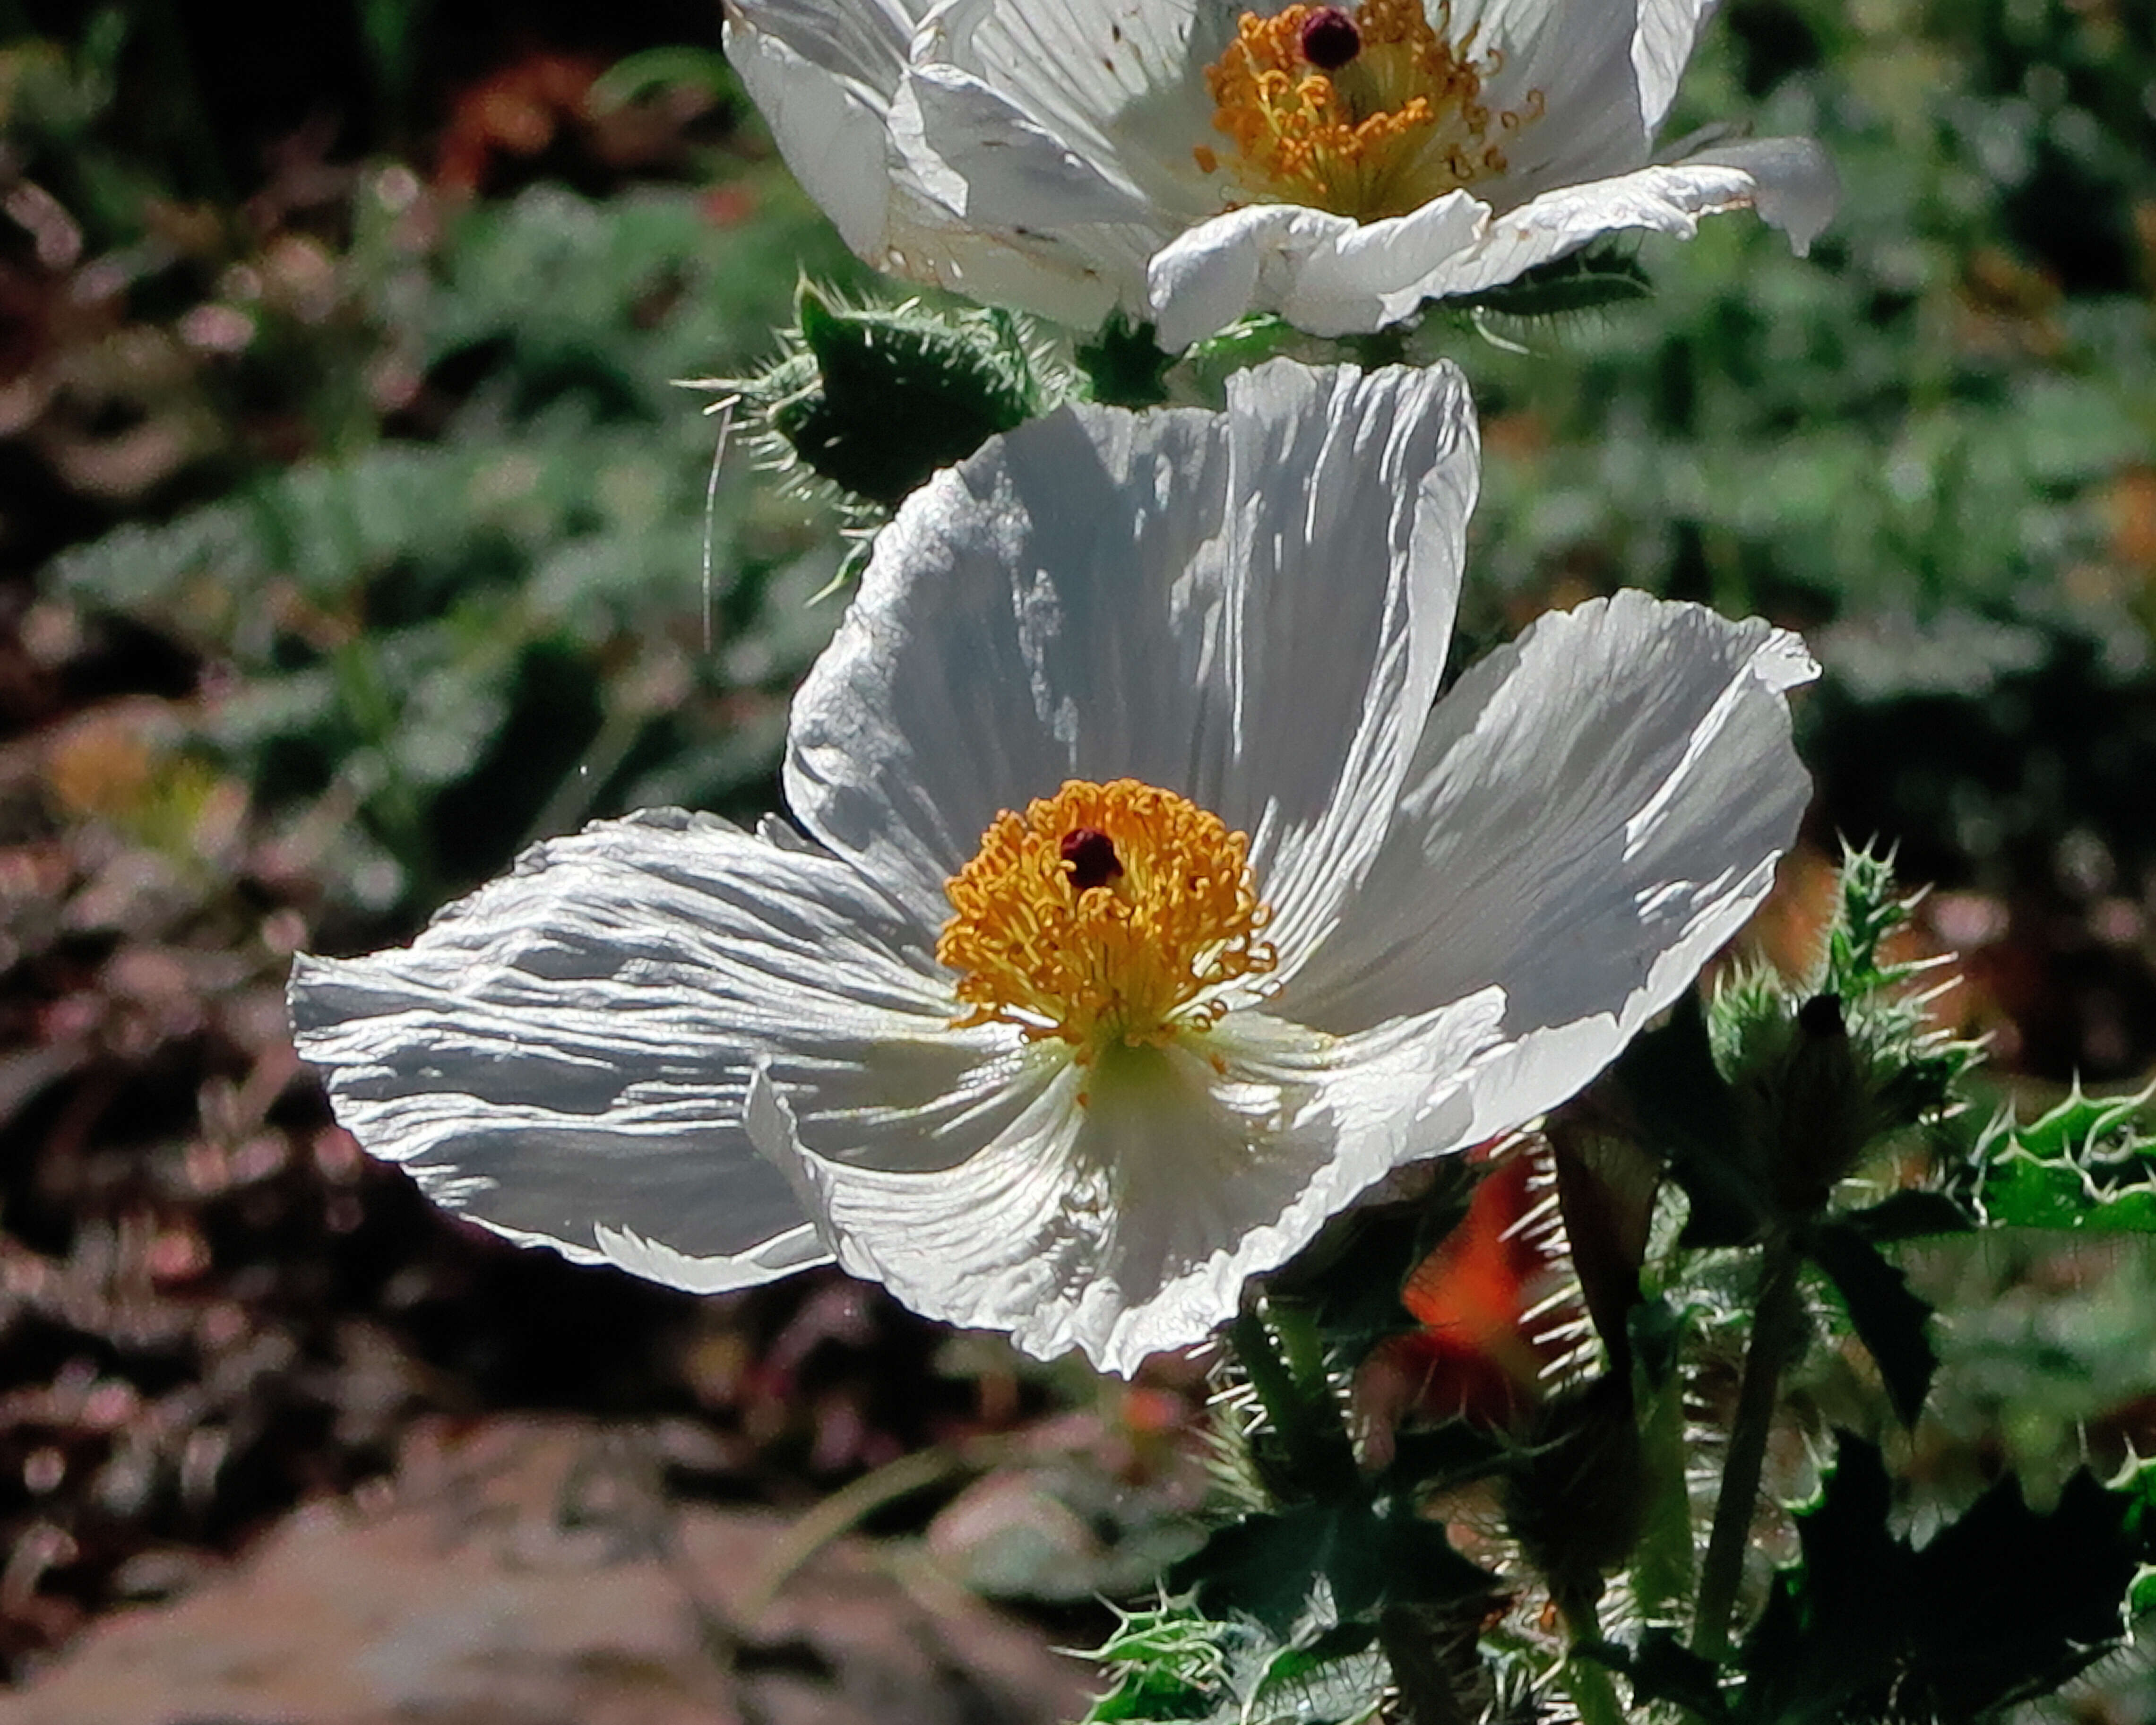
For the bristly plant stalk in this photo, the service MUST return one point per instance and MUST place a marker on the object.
(1776, 1323)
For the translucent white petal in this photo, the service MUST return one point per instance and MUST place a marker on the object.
(1250, 609)
(1661, 47)
(1594, 810)
(1795, 187)
(1789, 181)
(564, 1054)
(1045, 273)
(1127, 1203)
(824, 75)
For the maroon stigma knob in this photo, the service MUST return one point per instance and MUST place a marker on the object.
(1330, 39)
(1091, 854)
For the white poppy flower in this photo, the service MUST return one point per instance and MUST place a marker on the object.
(1142, 913)
(1192, 160)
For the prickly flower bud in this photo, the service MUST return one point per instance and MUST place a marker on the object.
(1577, 1503)
(876, 399)
(1827, 1115)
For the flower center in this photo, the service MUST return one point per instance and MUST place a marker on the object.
(1366, 114)
(1107, 913)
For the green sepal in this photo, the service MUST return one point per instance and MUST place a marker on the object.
(1251, 342)
(1123, 364)
(1584, 282)
(901, 392)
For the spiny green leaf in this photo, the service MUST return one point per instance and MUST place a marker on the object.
(1868, 909)
(2085, 1164)
(1892, 1323)
(1172, 1663)
(1320, 1563)
(2005, 1602)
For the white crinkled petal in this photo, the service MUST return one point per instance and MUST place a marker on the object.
(1596, 809)
(563, 1054)
(1127, 1223)
(995, 167)
(829, 80)
(984, 159)
(823, 76)
(1795, 187)
(1323, 273)
(1249, 609)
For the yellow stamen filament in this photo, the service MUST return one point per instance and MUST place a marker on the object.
(1401, 123)
(1137, 957)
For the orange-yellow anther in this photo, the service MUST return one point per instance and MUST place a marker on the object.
(1400, 122)
(1105, 913)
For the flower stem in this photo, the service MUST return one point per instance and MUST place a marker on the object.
(1586, 1678)
(1424, 1688)
(1776, 1324)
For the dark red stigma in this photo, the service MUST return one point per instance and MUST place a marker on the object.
(1330, 39)
(1091, 854)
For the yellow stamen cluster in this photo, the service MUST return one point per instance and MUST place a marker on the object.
(1135, 957)
(1401, 123)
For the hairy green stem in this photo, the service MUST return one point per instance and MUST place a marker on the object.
(1776, 1324)
(1587, 1679)
(1421, 1681)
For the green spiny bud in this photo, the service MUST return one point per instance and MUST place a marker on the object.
(1577, 1503)
(876, 398)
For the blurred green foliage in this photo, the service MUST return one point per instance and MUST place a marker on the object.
(459, 640)
(487, 634)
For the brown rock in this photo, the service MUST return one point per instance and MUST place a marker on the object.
(529, 1572)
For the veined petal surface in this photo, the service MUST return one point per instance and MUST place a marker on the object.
(1594, 810)
(1127, 1204)
(1251, 609)
(824, 77)
(564, 1055)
